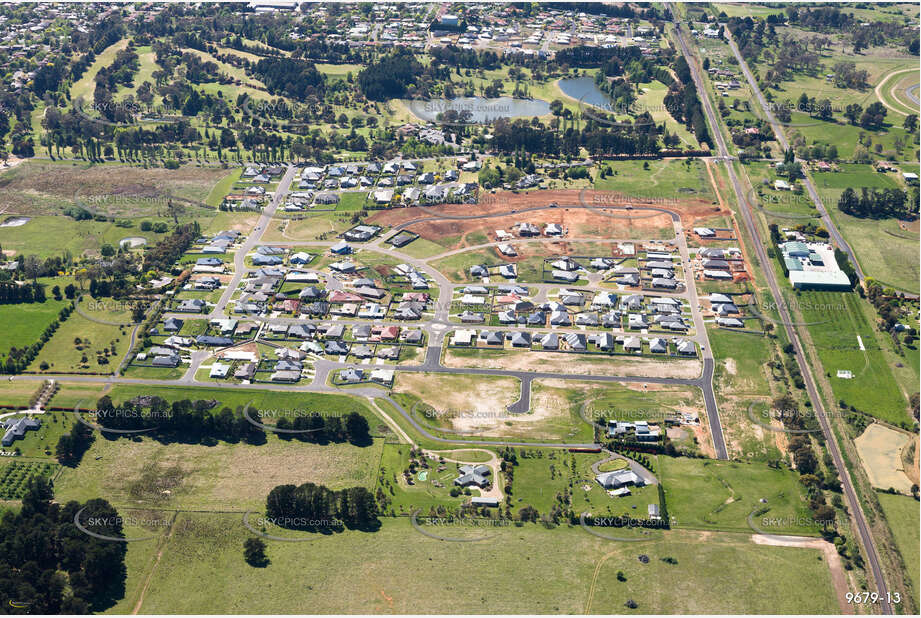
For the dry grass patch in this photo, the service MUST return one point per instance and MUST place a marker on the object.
(224, 476)
(880, 452)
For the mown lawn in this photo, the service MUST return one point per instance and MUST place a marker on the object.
(25, 322)
(835, 323)
(720, 495)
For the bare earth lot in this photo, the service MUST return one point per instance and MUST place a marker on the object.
(576, 363)
(880, 451)
(582, 223)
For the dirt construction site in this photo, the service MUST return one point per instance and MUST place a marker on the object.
(604, 218)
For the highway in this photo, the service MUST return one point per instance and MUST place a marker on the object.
(746, 210)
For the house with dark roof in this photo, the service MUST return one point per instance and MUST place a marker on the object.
(336, 348)
(16, 429)
(191, 305)
(473, 475)
(211, 340)
(521, 340)
(576, 341)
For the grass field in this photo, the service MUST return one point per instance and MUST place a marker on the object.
(25, 322)
(224, 476)
(741, 377)
(836, 322)
(720, 495)
(101, 346)
(666, 178)
(379, 572)
(902, 515)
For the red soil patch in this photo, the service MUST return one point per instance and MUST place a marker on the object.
(578, 222)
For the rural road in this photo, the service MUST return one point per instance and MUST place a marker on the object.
(854, 506)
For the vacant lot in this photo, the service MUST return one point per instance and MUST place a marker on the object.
(666, 179)
(460, 400)
(720, 495)
(85, 345)
(880, 451)
(474, 224)
(559, 362)
(379, 572)
(231, 477)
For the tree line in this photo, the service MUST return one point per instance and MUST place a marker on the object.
(316, 507)
(877, 204)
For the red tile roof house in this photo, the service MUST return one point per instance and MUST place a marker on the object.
(421, 297)
(390, 333)
(338, 296)
(291, 306)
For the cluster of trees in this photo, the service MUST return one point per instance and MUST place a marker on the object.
(801, 447)
(197, 421)
(48, 566)
(453, 56)
(353, 427)
(890, 309)
(12, 293)
(877, 204)
(612, 59)
(847, 75)
(72, 446)
(164, 254)
(190, 421)
(390, 76)
(290, 77)
(18, 359)
(316, 507)
(683, 102)
(641, 137)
